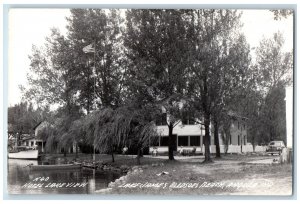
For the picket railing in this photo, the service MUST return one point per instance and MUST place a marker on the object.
(231, 149)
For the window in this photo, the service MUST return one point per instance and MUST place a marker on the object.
(244, 127)
(27, 143)
(188, 119)
(184, 120)
(238, 140)
(245, 140)
(277, 143)
(154, 141)
(192, 120)
(32, 143)
(230, 142)
(194, 140)
(164, 141)
(183, 141)
(161, 119)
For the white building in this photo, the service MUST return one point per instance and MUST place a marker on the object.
(190, 134)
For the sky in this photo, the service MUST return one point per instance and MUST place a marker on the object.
(29, 27)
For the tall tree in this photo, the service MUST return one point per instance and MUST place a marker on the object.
(273, 64)
(216, 69)
(155, 42)
(51, 78)
(275, 70)
(101, 70)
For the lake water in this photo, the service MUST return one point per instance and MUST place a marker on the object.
(21, 180)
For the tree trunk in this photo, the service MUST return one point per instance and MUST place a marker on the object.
(112, 157)
(76, 151)
(207, 138)
(216, 138)
(171, 142)
(88, 106)
(138, 157)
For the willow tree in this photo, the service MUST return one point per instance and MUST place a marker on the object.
(109, 130)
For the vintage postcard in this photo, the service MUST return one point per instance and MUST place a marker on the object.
(168, 101)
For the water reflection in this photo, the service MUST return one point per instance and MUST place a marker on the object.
(19, 174)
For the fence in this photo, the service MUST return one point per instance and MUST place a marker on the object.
(231, 149)
(238, 149)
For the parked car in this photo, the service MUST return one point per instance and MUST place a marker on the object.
(275, 147)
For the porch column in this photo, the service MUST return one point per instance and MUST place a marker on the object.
(159, 140)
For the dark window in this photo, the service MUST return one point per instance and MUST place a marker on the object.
(154, 141)
(238, 140)
(245, 140)
(194, 140)
(188, 119)
(184, 120)
(27, 143)
(192, 121)
(161, 119)
(164, 141)
(31, 143)
(244, 127)
(230, 140)
(183, 141)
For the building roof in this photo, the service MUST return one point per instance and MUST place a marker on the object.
(27, 137)
(37, 125)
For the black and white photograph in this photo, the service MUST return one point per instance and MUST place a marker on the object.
(150, 101)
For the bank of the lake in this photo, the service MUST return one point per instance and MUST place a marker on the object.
(22, 180)
(230, 175)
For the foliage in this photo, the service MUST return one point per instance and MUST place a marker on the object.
(273, 64)
(51, 80)
(218, 57)
(103, 68)
(155, 40)
(22, 118)
(160, 60)
(283, 13)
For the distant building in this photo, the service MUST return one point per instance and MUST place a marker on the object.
(32, 141)
(190, 133)
(41, 143)
(238, 130)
